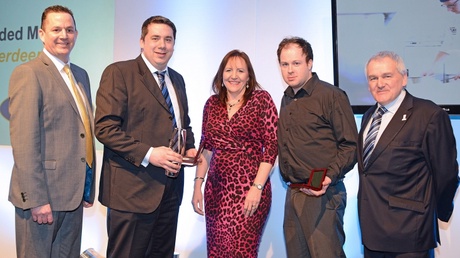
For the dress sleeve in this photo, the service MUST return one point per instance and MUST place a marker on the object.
(205, 139)
(269, 127)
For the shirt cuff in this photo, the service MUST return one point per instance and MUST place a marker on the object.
(145, 161)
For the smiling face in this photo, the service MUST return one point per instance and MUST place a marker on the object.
(235, 76)
(294, 66)
(158, 45)
(385, 80)
(59, 34)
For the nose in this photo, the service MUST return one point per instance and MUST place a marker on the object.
(162, 43)
(380, 83)
(234, 75)
(63, 33)
(289, 69)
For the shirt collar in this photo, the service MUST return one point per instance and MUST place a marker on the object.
(56, 61)
(308, 86)
(394, 105)
(152, 69)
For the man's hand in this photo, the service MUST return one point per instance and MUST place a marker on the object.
(326, 182)
(191, 152)
(166, 158)
(42, 214)
(87, 204)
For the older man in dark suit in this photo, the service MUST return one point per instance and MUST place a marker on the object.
(407, 166)
(134, 121)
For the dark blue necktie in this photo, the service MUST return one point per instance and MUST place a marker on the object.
(372, 134)
(164, 91)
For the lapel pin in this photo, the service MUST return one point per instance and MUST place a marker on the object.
(404, 118)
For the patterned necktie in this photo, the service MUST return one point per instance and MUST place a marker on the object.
(372, 134)
(84, 117)
(164, 91)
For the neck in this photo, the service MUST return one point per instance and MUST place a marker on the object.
(235, 97)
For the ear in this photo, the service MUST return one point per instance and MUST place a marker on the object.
(141, 43)
(310, 64)
(404, 80)
(41, 34)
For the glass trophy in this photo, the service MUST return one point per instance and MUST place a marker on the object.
(90, 253)
(193, 161)
(177, 144)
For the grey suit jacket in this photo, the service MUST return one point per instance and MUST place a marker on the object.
(47, 137)
(131, 117)
(410, 180)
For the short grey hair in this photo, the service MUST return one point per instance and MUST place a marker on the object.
(395, 57)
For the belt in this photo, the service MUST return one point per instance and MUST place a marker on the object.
(305, 185)
(298, 185)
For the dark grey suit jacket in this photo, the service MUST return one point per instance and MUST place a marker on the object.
(131, 117)
(47, 136)
(410, 180)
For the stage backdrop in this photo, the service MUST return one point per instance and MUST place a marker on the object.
(207, 30)
(19, 42)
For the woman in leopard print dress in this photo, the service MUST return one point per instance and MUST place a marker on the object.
(240, 148)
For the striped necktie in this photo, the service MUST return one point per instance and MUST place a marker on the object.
(372, 134)
(164, 91)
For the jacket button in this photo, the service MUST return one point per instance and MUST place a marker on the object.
(83, 160)
(82, 135)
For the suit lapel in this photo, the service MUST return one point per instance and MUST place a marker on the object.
(56, 76)
(180, 94)
(398, 121)
(150, 83)
(364, 121)
(86, 92)
(79, 77)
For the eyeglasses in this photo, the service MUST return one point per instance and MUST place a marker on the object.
(450, 5)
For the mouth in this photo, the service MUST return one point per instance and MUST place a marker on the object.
(160, 54)
(234, 82)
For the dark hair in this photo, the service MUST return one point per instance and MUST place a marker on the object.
(302, 43)
(158, 20)
(56, 9)
(218, 78)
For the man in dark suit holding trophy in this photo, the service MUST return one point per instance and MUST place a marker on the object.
(139, 103)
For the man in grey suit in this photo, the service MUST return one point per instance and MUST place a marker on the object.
(50, 129)
(134, 121)
(407, 166)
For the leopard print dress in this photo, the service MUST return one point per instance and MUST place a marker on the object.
(238, 145)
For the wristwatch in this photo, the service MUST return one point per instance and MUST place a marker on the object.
(258, 186)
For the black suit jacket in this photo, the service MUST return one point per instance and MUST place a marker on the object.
(410, 180)
(131, 117)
